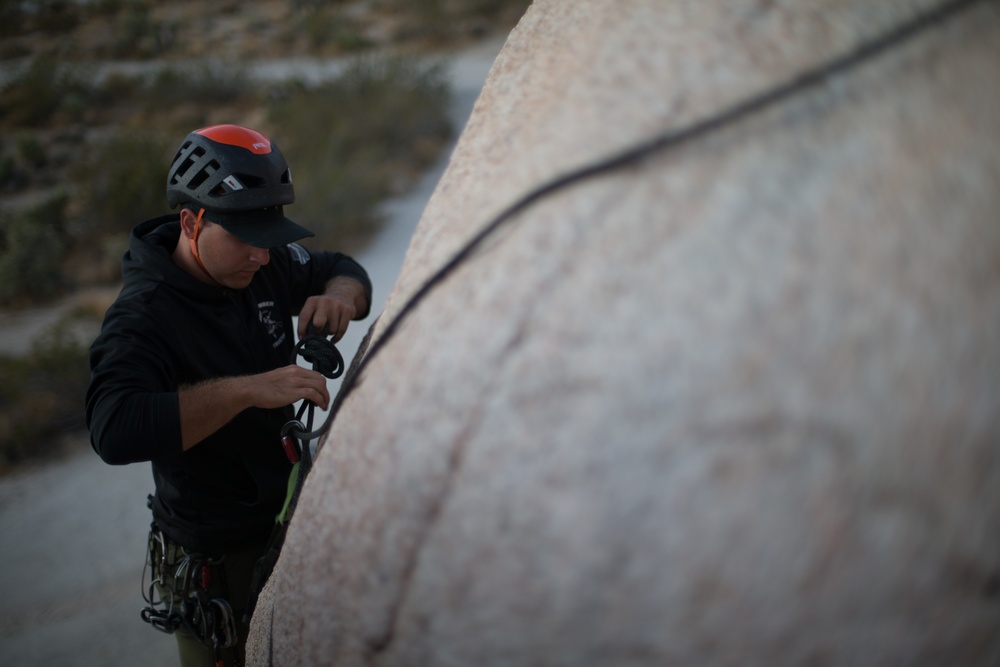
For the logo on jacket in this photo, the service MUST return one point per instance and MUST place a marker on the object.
(298, 253)
(274, 328)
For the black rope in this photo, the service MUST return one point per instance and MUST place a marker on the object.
(320, 351)
(326, 359)
(322, 354)
(808, 79)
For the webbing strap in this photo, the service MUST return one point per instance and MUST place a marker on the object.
(293, 481)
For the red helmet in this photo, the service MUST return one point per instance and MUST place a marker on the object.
(242, 181)
(229, 168)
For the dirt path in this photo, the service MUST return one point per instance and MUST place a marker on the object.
(73, 532)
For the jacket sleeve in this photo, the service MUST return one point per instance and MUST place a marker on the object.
(132, 408)
(309, 272)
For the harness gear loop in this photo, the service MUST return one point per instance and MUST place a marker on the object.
(178, 593)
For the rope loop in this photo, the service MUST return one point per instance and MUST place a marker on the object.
(322, 354)
(327, 360)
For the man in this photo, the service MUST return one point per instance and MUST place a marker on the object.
(193, 371)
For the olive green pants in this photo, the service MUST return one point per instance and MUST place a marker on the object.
(228, 578)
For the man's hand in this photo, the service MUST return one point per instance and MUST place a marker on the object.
(343, 300)
(208, 406)
(286, 385)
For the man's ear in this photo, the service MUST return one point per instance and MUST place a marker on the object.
(188, 219)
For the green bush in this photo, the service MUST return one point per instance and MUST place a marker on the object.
(122, 182)
(443, 21)
(12, 176)
(497, 8)
(59, 16)
(138, 35)
(41, 394)
(32, 249)
(105, 7)
(30, 151)
(322, 28)
(311, 5)
(11, 18)
(207, 86)
(31, 99)
(354, 141)
(43, 89)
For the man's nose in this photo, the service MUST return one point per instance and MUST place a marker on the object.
(260, 255)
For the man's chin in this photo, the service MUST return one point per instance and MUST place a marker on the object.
(240, 280)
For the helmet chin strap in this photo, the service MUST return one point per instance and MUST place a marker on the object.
(193, 242)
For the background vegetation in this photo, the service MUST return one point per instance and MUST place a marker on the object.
(84, 149)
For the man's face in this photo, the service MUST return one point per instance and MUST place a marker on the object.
(230, 261)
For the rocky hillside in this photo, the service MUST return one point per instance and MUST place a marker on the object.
(231, 29)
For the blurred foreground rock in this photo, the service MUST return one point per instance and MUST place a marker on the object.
(735, 403)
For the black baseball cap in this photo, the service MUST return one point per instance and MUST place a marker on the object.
(262, 228)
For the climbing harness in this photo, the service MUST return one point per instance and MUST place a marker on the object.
(296, 441)
(177, 594)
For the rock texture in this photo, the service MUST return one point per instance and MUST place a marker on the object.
(736, 403)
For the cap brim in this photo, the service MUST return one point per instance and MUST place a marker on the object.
(264, 228)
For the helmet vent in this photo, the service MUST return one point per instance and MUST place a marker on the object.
(188, 162)
(251, 181)
(181, 170)
(203, 175)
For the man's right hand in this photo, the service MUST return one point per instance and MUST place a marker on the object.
(208, 406)
(286, 385)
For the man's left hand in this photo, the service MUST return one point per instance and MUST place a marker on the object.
(343, 300)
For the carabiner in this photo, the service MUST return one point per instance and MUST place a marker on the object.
(289, 442)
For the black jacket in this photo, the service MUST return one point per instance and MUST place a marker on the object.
(168, 329)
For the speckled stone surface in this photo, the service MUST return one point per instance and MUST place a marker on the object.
(737, 403)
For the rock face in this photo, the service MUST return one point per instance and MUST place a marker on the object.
(734, 403)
